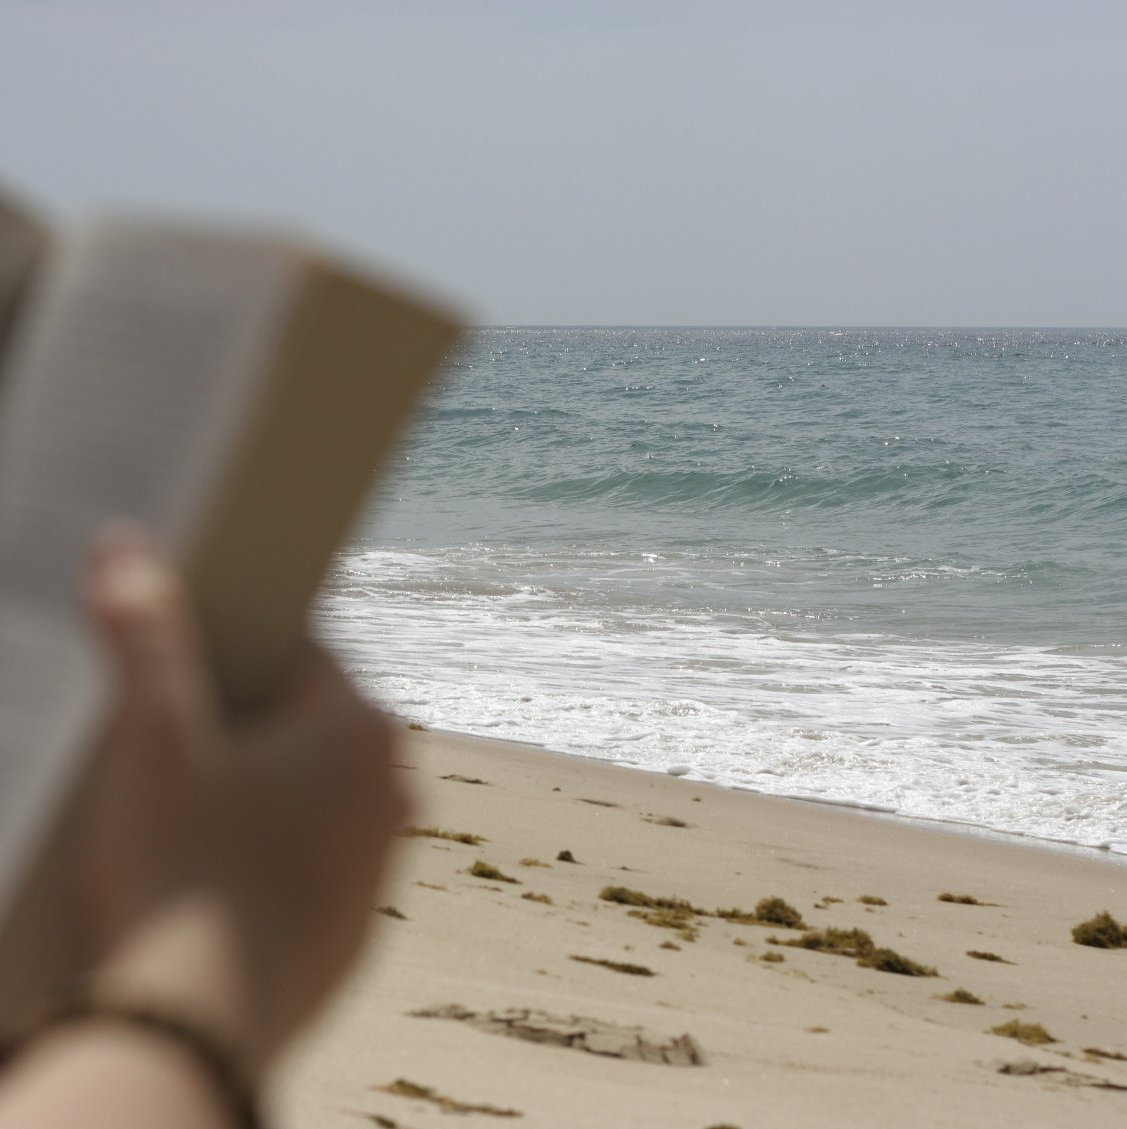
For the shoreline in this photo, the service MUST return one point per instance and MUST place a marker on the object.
(479, 990)
(955, 826)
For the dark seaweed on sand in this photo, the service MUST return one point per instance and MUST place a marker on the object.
(1100, 932)
(1031, 1034)
(482, 869)
(618, 966)
(858, 944)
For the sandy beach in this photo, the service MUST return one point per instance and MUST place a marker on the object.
(523, 995)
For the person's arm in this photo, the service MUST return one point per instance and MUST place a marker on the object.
(108, 1075)
(229, 867)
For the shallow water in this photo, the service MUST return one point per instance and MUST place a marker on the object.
(879, 567)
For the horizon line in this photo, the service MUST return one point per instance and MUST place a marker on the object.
(778, 325)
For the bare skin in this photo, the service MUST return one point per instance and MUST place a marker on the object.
(228, 868)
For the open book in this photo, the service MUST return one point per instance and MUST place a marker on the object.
(233, 393)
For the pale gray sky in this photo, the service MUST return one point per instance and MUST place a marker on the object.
(614, 161)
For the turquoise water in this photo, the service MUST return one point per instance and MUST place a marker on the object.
(880, 567)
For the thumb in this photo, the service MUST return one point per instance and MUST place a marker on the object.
(141, 609)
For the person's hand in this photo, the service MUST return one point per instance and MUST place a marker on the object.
(230, 866)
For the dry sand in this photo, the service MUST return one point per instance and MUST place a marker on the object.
(717, 1035)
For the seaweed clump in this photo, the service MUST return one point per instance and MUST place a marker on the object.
(665, 918)
(1031, 1034)
(979, 954)
(841, 942)
(466, 837)
(858, 944)
(486, 870)
(624, 896)
(961, 996)
(775, 911)
(665, 913)
(1100, 932)
(618, 966)
(889, 960)
(768, 911)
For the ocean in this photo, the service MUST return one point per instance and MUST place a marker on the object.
(875, 567)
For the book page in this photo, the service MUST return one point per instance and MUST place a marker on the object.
(22, 241)
(123, 392)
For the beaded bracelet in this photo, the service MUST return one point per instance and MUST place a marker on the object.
(209, 1051)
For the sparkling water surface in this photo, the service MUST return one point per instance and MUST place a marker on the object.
(876, 567)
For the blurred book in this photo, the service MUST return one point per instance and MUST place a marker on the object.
(231, 392)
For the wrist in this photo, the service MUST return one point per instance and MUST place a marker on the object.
(104, 1065)
(186, 962)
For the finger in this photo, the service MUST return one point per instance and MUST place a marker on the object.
(142, 611)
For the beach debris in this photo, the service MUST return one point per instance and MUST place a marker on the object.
(842, 942)
(889, 960)
(771, 958)
(463, 779)
(1031, 1034)
(533, 862)
(858, 944)
(1028, 1068)
(391, 911)
(417, 726)
(403, 1088)
(566, 856)
(481, 869)
(872, 900)
(679, 919)
(1100, 932)
(665, 913)
(466, 837)
(1099, 1052)
(665, 820)
(670, 945)
(599, 803)
(960, 996)
(575, 1032)
(776, 911)
(617, 966)
(623, 895)
(529, 896)
(978, 954)
(962, 900)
